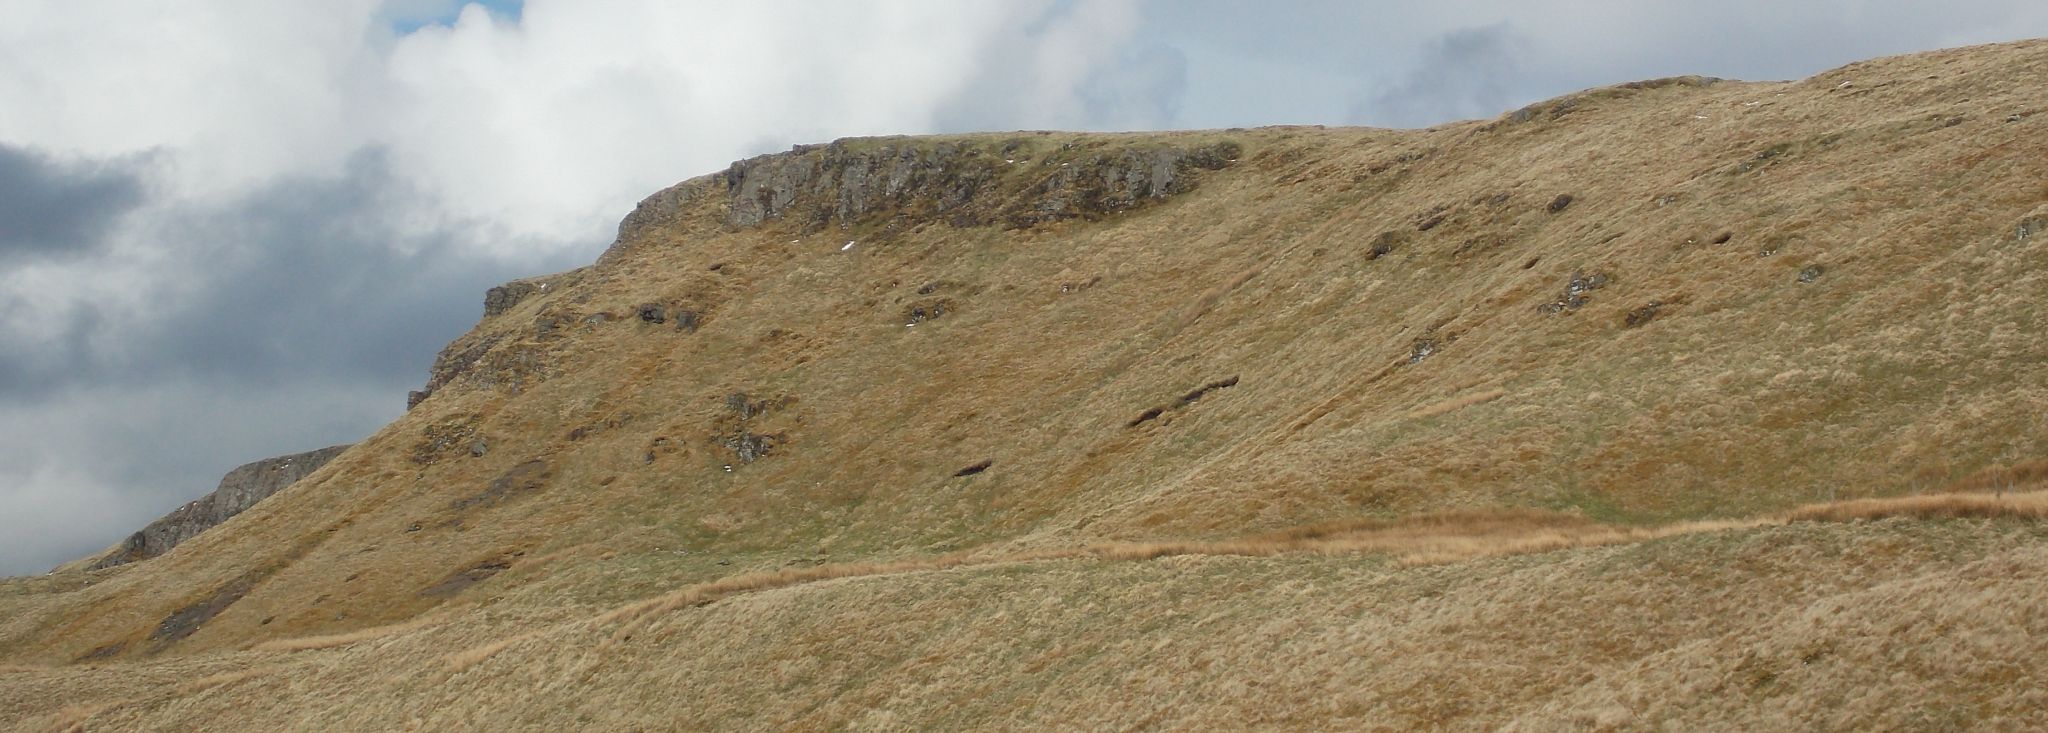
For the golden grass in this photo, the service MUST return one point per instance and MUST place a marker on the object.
(330, 641)
(1457, 403)
(1749, 393)
(2029, 506)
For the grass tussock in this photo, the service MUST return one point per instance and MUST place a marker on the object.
(2030, 506)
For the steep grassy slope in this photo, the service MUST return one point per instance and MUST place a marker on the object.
(1664, 301)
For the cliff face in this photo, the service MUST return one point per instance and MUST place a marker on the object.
(238, 490)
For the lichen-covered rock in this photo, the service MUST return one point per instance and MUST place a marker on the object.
(501, 299)
(238, 490)
(962, 184)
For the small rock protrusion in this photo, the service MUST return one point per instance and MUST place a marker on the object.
(1575, 291)
(2030, 226)
(1642, 315)
(1722, 238)
(687, 321)
(652, 313)
(1432, 218)
(1811, 273)
(478, 447)
(1559, 204)
(1384, 245)
(1422, 349)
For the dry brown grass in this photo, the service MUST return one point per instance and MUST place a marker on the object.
(2002, 478)
(2029, 506)
(330, 641)
(1458, 403)
(1912, 361)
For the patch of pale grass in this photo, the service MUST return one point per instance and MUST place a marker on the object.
(329, 641)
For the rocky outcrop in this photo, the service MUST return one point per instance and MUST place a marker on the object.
(238, 491)
(1017, 183)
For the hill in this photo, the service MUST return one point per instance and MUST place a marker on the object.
(1577, 417)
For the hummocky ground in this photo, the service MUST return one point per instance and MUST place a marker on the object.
(1681, 403)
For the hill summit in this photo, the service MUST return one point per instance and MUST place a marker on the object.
(1578, 417)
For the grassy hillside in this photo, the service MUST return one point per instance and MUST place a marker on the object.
(1492, 424)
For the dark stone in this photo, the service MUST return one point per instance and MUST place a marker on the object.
(687, 321)
(1146, 416)
(413, 398)
(1204, 390)
(974, 469)
(1558, 204)
(1722, 238)
(652, 313)
(1812, 273)
(477, 448)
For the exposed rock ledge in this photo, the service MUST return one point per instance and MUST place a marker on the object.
(238, 491)
(1017, 182)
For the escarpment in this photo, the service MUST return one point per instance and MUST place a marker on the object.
(1015, 182)
(238, 490)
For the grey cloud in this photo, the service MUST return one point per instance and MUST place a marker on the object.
(1141, 89)
(1467, 73)
(60, 209)
(317, 303)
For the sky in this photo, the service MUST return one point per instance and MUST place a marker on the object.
(234, 229)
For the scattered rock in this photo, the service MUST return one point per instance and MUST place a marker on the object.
(927, 310)
(1812, 273)
(1575, 292)
(652, 313)
(477, 448)
(1559, 204)
(750, 447)
(687, 321)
